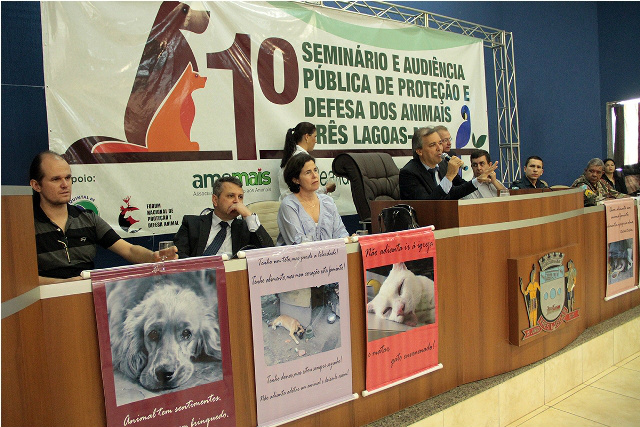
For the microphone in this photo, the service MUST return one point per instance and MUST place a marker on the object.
(445, 156)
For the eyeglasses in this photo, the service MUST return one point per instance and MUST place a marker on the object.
(445, 140)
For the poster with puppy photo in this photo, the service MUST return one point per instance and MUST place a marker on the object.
(164, 344)
(402, 306)
(301, 329)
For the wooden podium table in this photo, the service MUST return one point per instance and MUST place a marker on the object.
(466, 213)
(50, 361)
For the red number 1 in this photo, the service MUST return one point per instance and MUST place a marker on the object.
(238, 59)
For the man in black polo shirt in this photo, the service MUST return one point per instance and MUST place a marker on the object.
(66, 235)
(532, 172)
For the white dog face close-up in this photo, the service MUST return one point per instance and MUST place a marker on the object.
(156, 338)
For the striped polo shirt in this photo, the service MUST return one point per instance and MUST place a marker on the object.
(64, 254)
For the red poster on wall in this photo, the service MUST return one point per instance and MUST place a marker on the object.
(402, 300)
(164, 344)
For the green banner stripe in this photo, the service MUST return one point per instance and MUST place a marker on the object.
(409, 38)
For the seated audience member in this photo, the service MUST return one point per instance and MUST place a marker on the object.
(300, 139)
(595, 188)
(221, 231)
(305, 215)
(613, 177)
(447, 140)
(532, 173)
(426, 177)
(67, 235)
(480, 160)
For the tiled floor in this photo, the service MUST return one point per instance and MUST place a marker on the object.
(593, 382)
(611, 398)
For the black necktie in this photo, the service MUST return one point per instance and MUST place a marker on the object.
(433, 172)
(214, 247)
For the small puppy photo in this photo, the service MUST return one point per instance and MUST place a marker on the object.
(164, 334)
(300, 323)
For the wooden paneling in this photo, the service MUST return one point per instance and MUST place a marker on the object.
(24, 370)
(513, 208)
(70, 337)
(50, 349)
(439, 213)
(19, 263)
(595, 239)
(241, 340)
(452, 213)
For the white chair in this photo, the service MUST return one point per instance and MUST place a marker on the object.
(267, 212)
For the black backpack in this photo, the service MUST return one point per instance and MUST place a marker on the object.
(397, 218)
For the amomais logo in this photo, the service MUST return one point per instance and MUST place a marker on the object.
(206, 180)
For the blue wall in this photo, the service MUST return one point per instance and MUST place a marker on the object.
(571, 58)
(558, 75)
(618, 34)
(24, 117)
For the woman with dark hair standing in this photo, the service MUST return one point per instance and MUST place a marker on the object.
(305, 215)
(616, 179)
(300, 139)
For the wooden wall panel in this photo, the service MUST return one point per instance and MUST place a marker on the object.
(73, 361)
(451, 213)
(440, 213)
(595, 238)
(19, 263)
(59, 381)
(548, 203)
(241, 339)
(25, 378)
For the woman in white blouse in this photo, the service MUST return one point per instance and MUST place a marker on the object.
(305, 215)
(300, 139)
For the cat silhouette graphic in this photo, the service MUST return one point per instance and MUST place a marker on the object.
(160, 109)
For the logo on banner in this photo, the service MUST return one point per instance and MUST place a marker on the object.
(125, 219)
(160, 110)
(549, 301)
(85, 202)
(251, 178)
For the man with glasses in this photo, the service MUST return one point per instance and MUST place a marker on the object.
(447, 141)
(594, 187)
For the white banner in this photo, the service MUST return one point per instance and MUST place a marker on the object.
(151, 102)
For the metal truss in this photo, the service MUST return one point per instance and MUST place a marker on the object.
(499, 41)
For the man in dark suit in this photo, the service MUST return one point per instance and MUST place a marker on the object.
(446, 140)
(427, 177)
(221, 231)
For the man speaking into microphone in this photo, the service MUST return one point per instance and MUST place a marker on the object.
(428, 177)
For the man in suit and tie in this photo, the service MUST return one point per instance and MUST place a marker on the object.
(221, 231)
(446, 140)
(427, 177)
